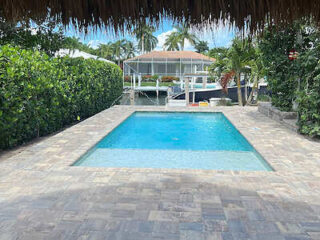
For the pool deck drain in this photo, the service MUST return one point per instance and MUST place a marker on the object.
(43, 197)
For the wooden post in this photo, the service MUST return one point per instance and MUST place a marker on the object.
(157, 87)
(132, 97)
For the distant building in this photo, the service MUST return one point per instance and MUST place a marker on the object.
(77, 53)
(179, 64)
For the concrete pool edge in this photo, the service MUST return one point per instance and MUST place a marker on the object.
(137, 109)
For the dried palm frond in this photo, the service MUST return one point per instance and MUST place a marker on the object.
(124, 14)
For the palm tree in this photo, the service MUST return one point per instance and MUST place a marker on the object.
(257, 71)
(105, 51)
(172, 42)
(119, 49)
(146, 40)
(240, 54)
(130, 50)
(201, 46)
(183, 33)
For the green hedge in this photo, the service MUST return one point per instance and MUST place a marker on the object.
(295, 81)
(281, 72)
(40, 95)
(309, 106)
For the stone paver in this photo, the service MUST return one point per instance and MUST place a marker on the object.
(43, 197)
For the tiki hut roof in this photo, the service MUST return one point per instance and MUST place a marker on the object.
(122, 14)
(172, 55)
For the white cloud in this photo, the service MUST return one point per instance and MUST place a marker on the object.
(95, 43)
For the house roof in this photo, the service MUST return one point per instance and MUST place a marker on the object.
(77, 53)
(173, 55)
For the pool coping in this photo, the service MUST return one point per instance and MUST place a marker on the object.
(271, 161)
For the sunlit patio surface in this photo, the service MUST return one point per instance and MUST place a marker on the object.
(43, 197)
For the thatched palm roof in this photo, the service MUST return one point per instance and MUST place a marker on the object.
(125, 13)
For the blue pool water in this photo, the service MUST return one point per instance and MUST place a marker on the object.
(175, 140)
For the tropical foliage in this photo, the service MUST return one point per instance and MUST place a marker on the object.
(176, 40)
(43, 38)
(234, 62)
(201, 46)
(40, 95)
(146, 40)
(294, 82)
(172, 42)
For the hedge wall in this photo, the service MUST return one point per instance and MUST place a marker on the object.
(40, 95)
(298, 80)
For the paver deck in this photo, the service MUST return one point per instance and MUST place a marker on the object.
(43, 197)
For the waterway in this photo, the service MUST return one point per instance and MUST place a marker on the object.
(145, 98)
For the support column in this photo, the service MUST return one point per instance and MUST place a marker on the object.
(193, 81)
(204, 82)
(152, 68)
(187, 91)
(139, 80)
(134, 81)
(157, 87)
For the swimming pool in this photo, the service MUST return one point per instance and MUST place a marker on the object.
(177, 140)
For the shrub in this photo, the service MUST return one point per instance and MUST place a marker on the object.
(147, 78)
(40, 95)
(309, 107)
(169, 79)
(151, 78)
(127, 78)
(210, 79)
(155, 78)
(295, 81)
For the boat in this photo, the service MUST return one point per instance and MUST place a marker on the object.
(198, 95)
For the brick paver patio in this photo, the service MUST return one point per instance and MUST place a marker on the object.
(43, 197)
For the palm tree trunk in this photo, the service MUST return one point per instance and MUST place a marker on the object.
(239, 89)
(255, 85)
(142, 43)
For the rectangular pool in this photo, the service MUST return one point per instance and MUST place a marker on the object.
(177, 140)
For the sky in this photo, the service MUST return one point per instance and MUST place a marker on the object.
(219, 36)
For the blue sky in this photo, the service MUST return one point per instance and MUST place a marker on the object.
(219, 36)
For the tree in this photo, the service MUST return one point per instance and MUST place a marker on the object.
(201, 46)
(146, 40)
(183, 33)
(43, 36)
(130, 50)
(119, 48)
(172, 42)
(233, 62)
(218, 53)
(239, 54)
(106, 51)
(258, 71)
